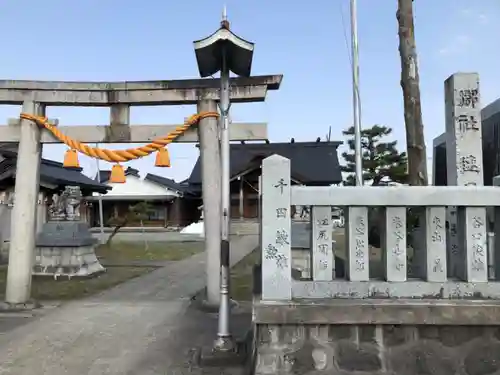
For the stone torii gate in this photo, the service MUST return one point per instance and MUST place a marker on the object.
(36, 96)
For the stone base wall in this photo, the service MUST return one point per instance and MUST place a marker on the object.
(64, 261)
(323, 347)
(376, 349)
(244, 227)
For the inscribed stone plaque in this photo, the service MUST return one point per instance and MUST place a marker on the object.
(395, 243)
(473, 220)
(276, 227)
(357, 243)
(434, 267)
(65, 234)
(322, 254)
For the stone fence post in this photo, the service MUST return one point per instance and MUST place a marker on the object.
(276, 229)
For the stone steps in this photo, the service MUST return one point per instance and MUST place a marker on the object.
(244, 227)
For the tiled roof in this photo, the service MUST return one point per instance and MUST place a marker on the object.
(51, 172)
(314, 163)
(169, 183)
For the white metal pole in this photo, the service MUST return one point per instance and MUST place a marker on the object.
(224, 340)
(356, 107)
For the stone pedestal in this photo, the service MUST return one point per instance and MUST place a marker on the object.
(66, 249)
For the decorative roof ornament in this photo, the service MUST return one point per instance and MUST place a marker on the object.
(224, 45)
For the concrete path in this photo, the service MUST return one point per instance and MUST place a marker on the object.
(146, 326)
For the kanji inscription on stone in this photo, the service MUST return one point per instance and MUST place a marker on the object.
(276, 229)
(322, 253)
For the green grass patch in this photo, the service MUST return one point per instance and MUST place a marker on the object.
(123, 252)
(46, 288)
(242, 276)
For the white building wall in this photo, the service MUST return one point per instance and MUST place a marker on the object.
(140, 187)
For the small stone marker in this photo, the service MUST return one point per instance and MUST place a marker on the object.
(276, 228)
(323, 261)
(495, 250)
(394, 243)
(358, 257)
(473, 219)
(434, 265)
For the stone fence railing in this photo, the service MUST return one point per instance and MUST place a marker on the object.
(431, 256)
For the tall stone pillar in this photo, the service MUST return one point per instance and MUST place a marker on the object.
(212, 194)
(464, 157)
(22, 238)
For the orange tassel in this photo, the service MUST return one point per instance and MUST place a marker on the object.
(162, 158)
(117, 174)
(71, 159)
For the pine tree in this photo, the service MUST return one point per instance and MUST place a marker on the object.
(382, 162)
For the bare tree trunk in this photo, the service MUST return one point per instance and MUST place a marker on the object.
(146, 244)
(119, 225)
(415, 142)
(113, 234)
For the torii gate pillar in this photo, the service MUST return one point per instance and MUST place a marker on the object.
(211, 182)
(24, 212)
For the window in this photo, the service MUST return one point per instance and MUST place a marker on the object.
(157, 213)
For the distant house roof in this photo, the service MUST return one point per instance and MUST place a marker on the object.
(169, 183)
(314, 163)
(51, 172)
(179, 187)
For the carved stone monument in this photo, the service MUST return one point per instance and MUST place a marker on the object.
(276, 228)
(464, 159)
(65, 247)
